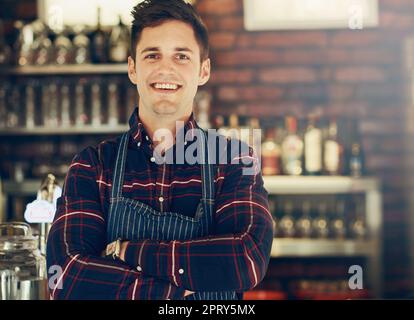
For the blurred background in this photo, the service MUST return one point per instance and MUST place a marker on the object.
(330, 83)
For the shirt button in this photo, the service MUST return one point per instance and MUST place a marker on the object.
(139, 268)
(185, 143)
(181, 271)
(146, 137)
(161, 199)
(152, 159)
(139, 144)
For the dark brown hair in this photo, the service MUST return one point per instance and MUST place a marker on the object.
(151, 13)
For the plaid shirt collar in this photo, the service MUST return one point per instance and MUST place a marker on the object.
(139, 134)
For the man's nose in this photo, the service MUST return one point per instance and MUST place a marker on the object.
(165, 65)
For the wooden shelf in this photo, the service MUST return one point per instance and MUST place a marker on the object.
(291, 247)
(69, 69)
(64, 130)
(319, 184)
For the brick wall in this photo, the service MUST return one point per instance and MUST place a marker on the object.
(356, 74)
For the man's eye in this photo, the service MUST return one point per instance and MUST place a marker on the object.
(151, 56)
(183, 57)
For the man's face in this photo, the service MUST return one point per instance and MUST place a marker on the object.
(167, 69)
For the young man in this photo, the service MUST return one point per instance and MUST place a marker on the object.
(170, 230)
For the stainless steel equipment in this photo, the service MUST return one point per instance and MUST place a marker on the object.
(22, 267)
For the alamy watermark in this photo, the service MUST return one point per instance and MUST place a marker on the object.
(191, 147)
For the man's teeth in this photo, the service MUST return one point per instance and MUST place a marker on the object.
(167, 86)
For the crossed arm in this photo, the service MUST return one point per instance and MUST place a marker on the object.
(234, 257)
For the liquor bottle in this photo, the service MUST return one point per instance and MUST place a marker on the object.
(320, 223)
(3, 106)
(53, 116)
(113, 103)
(287, 222)
(42, 46)
(270, 154)
(119, 43)
(357, 226)
(65, 107)
(332, 151)
(30, 105)
(5, 51)
(81, 47)
(338, 227)
(355, 161)
(220, 125)
(255, 137)
(13, 111)
(292, 149)
(23, 43)
(313, 148)
(99, 43)
(96, 114)
(304, 223)
(234, 131)
(202, 109)
(80, 111)
(63, 49)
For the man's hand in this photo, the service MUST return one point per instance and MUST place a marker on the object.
(124, 245)
(187, 293)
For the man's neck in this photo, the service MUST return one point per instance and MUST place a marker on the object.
(152, 123)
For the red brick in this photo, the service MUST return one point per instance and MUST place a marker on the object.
(296, 56)
(380, 127)
(231, 23)
(231, 76)
(288, 75)
(246, 57)
(306, 92)
(250, 93)
(291, 39)
(360, 74)
(280, 109)
(392, 20)
(340, 92)
(222, 40)
(219, 7)
(358, 38)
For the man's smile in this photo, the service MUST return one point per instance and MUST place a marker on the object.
(165, 87)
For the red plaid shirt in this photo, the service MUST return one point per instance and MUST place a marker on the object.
(235, 257)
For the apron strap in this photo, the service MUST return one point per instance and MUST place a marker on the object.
(118, 180)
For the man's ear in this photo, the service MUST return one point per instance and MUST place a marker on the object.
(132, 74)
(204, 72)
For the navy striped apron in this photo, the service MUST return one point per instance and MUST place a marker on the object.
(133, 220)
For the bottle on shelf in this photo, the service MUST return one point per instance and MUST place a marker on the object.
(355, 160)
(99, 43)
(292, 149)
(357, 227)
(220, 125)
(304, 223)
(333, 151)
(3, 106)
(338, 226)
(13, 107)
(81, 46)
(320, 223)
(65, 105)
(81, 115)
(270, 154)
(42, 47)
(96, 114)
(119, 43)
(30, 105)
(22, 46)
(313, 147)
(63, 49)
(5, 50)
(234, 130)
(113, 103)
(287, 222)
(202, 109)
